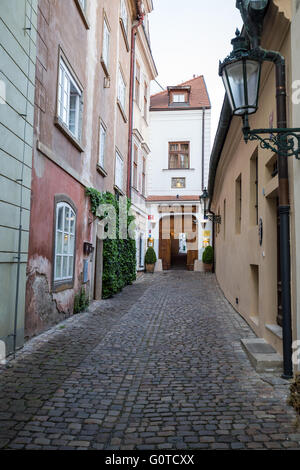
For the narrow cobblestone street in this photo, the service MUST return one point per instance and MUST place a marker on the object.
(160, 366)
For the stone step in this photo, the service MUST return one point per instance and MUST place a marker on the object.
(262, 355)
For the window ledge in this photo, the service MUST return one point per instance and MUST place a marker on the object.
(122, 111)
(179, 169)
(60, 286)
(124, 35)
(104, 66)
(116, 188)
(101, 170)
(63, 128)
(82, 14)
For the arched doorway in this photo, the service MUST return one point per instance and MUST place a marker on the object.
(178, 241)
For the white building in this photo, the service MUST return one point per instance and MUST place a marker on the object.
(144, 72)
(177, 171)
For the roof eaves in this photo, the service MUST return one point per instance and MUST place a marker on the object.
(221, 134)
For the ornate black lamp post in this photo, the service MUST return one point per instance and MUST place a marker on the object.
(208, 215)
(241, 72)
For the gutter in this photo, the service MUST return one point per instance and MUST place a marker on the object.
(223, 127)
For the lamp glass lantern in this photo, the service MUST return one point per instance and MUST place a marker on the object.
(241, 72)
(203, 201)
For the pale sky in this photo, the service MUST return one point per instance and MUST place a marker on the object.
(189, 38)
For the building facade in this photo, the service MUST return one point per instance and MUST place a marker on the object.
(177, 173)
(243, 186)
(17, 72)
(295, 173)
(81, 133)
(144, 72)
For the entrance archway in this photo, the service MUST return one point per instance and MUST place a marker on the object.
(178, 241)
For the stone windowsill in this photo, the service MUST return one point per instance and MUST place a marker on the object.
(101, 170)
(122, 111)
(178, 169)
(104, 66)
(63, 128)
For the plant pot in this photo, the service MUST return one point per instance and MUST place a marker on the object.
(207, 267)
(150, 268)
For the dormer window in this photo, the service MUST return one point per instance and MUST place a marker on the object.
(179, 96)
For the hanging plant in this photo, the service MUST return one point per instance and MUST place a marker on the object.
(119, 256)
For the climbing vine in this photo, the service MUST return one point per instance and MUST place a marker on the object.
(119, 256)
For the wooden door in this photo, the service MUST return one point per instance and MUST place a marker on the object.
(165, 245)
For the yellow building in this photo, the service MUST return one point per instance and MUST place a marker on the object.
(243, 189)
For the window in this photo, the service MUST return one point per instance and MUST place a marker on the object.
(119, 171)
(135, 167)
(69, 100)
(82, 4)
(64, 242)
(121, 91)
(145, 100)
(105, 45)
(178, 183)
(144, 177)
(238, 204)
(179, 155)
(102, 144)
(137, 83)
(177, 98)
(124, 15)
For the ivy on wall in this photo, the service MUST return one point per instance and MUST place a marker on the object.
(119, 256)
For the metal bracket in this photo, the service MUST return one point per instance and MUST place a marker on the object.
(214, 218)
(283, 142)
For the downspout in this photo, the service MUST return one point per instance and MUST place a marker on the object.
(136, 24)
(203, 144)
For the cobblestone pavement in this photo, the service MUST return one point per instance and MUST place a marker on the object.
(160, 366)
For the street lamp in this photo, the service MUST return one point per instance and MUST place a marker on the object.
(208, 216)
(241, 72)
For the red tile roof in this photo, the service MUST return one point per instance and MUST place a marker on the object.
(199, 97)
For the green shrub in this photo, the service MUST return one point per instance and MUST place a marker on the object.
(119, 256)
(208, 255)
(150, 257)
(81, 301)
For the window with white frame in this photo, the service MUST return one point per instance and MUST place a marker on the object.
(82, 4)
(121, 91)
(119, 171)
(124, 15)
(64, 242)
(179, 98)
(69, 100)
(102, 145)
(105, 45)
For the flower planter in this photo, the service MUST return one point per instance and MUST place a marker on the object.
(207, 267)
(150, 268)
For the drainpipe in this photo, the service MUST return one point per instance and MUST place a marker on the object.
(137, 23)
(203, 144)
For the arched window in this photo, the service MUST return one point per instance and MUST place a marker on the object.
(65, 231)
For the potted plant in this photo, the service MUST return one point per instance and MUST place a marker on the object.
(208, 258)
(150, 260)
